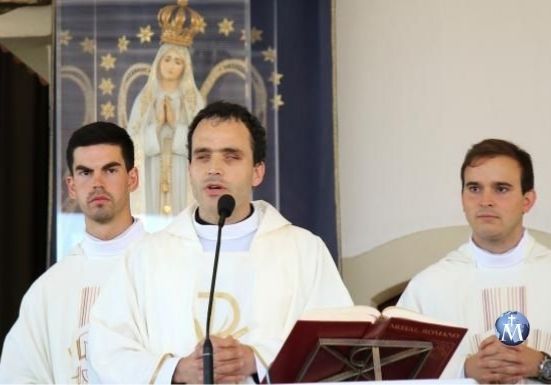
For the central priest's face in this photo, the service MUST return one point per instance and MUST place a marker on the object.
(222, 163)
(494, 203)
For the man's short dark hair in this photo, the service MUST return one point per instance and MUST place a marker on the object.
(490, 148)
(226, 111)
(101, 133)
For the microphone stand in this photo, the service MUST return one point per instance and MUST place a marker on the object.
(208, 365)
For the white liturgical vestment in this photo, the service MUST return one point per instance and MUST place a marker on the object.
(165, 284)
(48, 342)
(470, 290)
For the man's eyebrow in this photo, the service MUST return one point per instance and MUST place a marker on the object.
(231, 150)
(225, 150)
(107, 166)
(201, 150)
(506, 184)
(111, 165)
(82, 168)
(503, 184)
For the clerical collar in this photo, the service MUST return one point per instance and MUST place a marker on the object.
(237, 236)
(510, 258)
(201, 221)
(95, 247)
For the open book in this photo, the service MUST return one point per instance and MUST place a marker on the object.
(360, 344)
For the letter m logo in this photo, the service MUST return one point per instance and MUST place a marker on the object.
(507, 331)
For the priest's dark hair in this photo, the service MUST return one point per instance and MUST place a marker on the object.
(101, 133)
(227, 111)
(490, 148)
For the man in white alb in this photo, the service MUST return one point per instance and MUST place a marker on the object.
(48, 342)
(269, 272)
(502, 268)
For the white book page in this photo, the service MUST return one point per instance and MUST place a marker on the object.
(351, 313)
(398, 312)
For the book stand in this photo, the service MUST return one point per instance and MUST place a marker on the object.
(362, 360)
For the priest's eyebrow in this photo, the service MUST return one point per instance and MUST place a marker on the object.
(225, 150)
(111, 165)
(201, 150)
(104, 167)
(502, 184)
(494, 184)
(231, 150)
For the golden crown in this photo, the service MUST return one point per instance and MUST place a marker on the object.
(180, 24)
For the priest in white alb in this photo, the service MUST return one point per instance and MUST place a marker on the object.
(48, 342)
(501, 268)
(149, 325)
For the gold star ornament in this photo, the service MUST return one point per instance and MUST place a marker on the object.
(256, 35)
(106, 86)
(201, 25)
(107, 110)
(65, 37)
(145, 34)
(88, 45)
(269, 54)
(123, 44)
(275, 78)
(277, 101)
(225, 27)
(108, 62)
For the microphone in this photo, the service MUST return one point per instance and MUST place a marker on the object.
(226, 204)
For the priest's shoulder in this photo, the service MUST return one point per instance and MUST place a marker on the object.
(274, 223)
(539, 253)
(161, 244)
(297, 241)
(176, 230)
(55, 279)
(285, 231)
(446, 270)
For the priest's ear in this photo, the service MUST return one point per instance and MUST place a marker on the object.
(133, 179)
(259, 170)
(529, 199)
(70, 181)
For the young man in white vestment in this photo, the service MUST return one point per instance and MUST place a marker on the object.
(501, 268)
(48, 342)
(269, 272)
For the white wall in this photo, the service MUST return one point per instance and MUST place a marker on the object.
(27, 33)
(418, 82)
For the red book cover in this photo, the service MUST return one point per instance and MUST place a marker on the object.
(302, 359)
